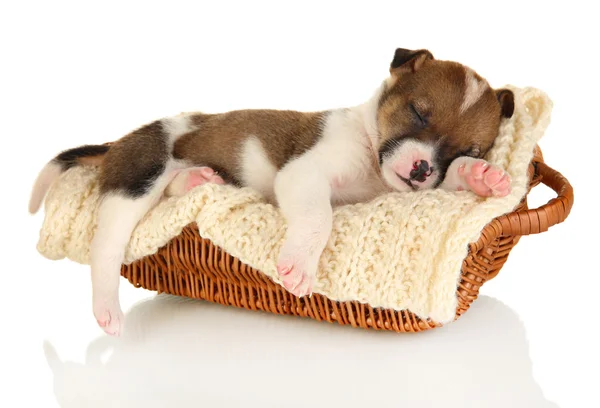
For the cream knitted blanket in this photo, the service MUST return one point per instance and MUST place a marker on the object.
(399, 251)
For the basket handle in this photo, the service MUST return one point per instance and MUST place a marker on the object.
(555, 211)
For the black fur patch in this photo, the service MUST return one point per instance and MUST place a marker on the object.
(135, 162)
(506, 99)
(145, 178)
(68, 158)
(402, 56)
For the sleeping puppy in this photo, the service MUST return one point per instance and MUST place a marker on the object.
(428, 125)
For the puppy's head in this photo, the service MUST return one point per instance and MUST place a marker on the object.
(432, 112)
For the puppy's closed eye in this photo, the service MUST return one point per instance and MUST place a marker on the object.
(420, 117)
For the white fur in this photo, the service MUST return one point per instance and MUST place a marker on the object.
(178, 185)
(345, 157)
(176, 126)
(368, 115)
(117, 217)
(453, 180)
(46, 177)
(304, 196)
(474, 88)
(257, 170)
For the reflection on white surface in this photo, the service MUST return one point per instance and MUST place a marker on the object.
(178, 353)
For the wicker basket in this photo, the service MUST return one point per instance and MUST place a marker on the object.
(192, 266)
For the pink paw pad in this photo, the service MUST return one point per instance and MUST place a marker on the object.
(485, 180)
(200, 176)
(294, 280)
(110, 320)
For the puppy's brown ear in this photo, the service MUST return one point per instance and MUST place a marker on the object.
(506, 99)
(408, 60)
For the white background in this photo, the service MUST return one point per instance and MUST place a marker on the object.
(73, 73)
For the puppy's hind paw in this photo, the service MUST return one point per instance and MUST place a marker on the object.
(190, 178)
(110, 319)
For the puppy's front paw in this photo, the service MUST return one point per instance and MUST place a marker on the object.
(296, 277)
(484, 179)
(109, 318)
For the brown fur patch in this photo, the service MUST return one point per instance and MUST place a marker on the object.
(218, 142)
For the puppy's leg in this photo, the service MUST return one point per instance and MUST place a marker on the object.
(304, 196)
(187, 179)
(477, 175)
(117, 217)
(135, 172)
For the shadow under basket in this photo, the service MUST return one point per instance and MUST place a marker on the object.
(192, 266)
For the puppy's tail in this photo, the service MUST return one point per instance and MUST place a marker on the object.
(88, 154)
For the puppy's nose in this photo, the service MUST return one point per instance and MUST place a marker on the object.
(420, 170)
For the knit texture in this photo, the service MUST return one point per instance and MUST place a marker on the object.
(399, 251)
